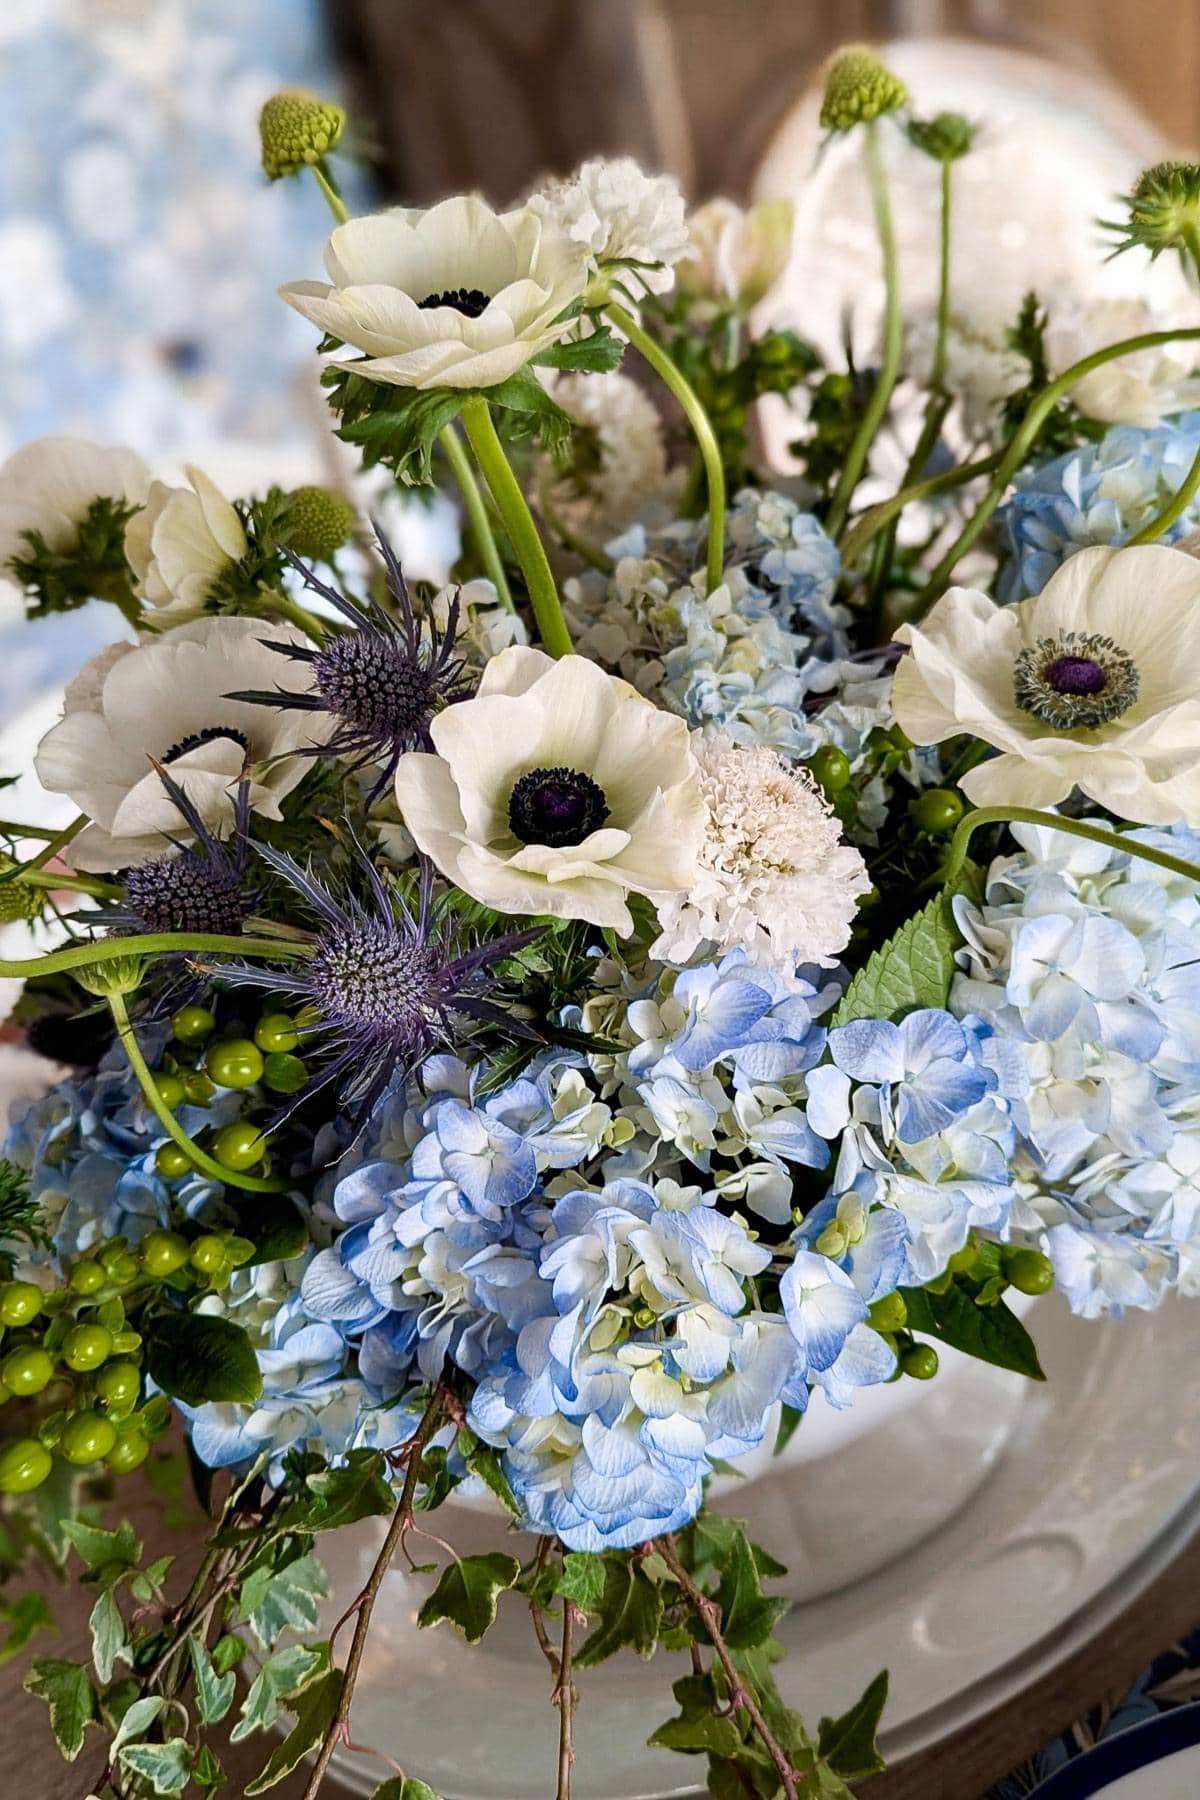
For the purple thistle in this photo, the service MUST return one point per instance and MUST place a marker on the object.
(383, 682)
(202, 887)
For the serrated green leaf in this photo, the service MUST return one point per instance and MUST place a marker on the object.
(629, 1612)
(913, 969)
(69, 1695)
(137, 1720)
(284, 1677)
(196, 1357)
(25, 1616)
(468, 1592)
(214, 1693)
(748, 1617)
(848, 1744)
(276, 1600)
(581, 1579)
(107, 1554)
(314, 1715)
(992, 1333)
(167, 1767)
(596, 354)
(109, 1643)
(527, 410)
(401, 428)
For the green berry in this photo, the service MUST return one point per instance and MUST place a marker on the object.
(921, 1362)
(87, 1278)
(830, 768)
(87, 1438)
(276, 1031)
(85, 1347)
(319, 522)
(889, 1313)
(208, 1255)
(296, 129)
(192, 1024)
(284, 1074)
(119, 1383)
(127, 1454)
(172, 1161)
(27, 1371)
(937, 810)
(122, 1268)
(1029, 1271)
(162, 1252)
(24, 1465)
(235, 1063)
(20, 1302)
(239, 1146)
(170, 1090)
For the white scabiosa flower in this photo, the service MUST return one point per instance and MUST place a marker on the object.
(556, 790)
(455, 296)
(1140, 389)
(166, 700)
(1090, 684)
(619, 215)
(48, 487)
(775, 877)
(181, 543)
(631, 450)
(736, 255)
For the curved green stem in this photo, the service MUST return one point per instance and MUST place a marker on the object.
(866, 524)
(1174, 509)
(518, 522)
(47, 853)
(159, 943)
(477, 515)
(337, 205)
(698, 419)
(208, 1165)
(1025, 815)
(893, 326)
(1024, 438)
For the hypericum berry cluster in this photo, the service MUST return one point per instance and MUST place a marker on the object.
(198, 1061)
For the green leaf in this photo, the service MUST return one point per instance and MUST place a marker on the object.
(992, 1333)
(195, 1358)
(26, 1616)
(314, 1715)
(529, 411)
(582, 1579)
(167, 1767)
(286, 1675)
(207, 1771)
(913, 969)
(848, 1744)
(698, 1730)
(277, 1600)
(483, 1461)
(109, 1643)
(137, 1720)
(401, 428)
(68, 1693)
(596, 354)
(214, 1693)
(404, 1787)
(146, 1584)
(748, 1617)
(107, 1554)
(630, 1612)
(276, 1227)
(467, 1594)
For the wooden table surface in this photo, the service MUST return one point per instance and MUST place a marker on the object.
(960, 1769)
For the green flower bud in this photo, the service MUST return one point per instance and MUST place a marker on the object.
(1164, 210)
(319, 522)
(945, 138)
(296, 129)
(122, 975)
(18, 899)
(859, 88)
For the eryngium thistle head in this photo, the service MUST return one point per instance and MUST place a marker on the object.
(945, 137)
(201, 887)
(859, 88)
(1163, 211)
(295, 130)
(319, 522)
(383, 682)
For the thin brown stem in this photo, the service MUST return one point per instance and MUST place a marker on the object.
(565, 1699)
(535, 1612)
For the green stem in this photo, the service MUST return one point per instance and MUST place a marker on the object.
(68, 884)
(1174, 509)
(49, 850)
(937, 373)
(518, 522)
(1024, 438)
(481, 525)
(253, 1184)
(160, 943)
(574, 540)
(284, 607)
(867, 524)
(893, 325)
(698, 419)
(1025, 815)
(337, 205)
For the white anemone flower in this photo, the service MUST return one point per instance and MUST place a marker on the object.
(48, 487)
(165, 699)
(181, 543)
(618, 214)
(556, 790)
(456, 296)
(1091, 684)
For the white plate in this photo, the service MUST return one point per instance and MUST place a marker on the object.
(1092, 1494)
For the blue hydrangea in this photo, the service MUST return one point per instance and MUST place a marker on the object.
(1101, 493)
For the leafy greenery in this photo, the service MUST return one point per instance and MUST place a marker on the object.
(913, 969)
(468, 1593)
(94, 568)
(990, 1332)
(196, 1357)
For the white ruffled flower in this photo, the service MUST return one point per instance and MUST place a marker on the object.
(557, 790)
(982, 369)
(454, 296)
(1140, 389)
(775, 877)
(49, 485)
(736, 254)
(165, 698)
(181, 543)
(617, 213)
(1090, 684)
(629, 436)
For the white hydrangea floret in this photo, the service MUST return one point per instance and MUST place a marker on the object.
(618, 214)
(775, 875)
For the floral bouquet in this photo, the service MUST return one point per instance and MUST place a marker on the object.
(522, 1041)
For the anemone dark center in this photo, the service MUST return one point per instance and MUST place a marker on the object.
(557, 807)
(470, 301)
(365, 976)
(186, 893)
(375, 685)
(210, 735)
(1076, 680)
(1076, 675)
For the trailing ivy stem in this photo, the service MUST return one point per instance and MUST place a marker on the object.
(1025, 815)
(159, 943)
(47, 853)
(701, 424)
(893, 326)
(253, 1184)
(1174, 509)
(1023, 440)
(564, 1699)
(401, 1522)
(477, 514)
(740, 1694)
(518, 522)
